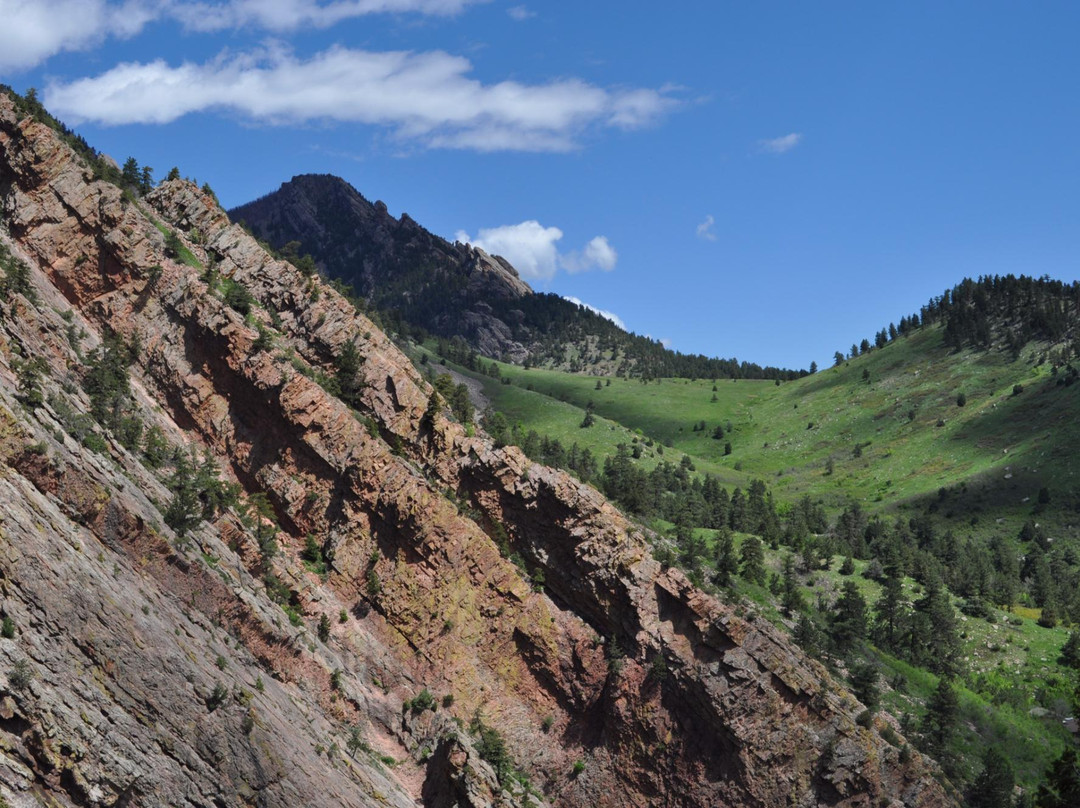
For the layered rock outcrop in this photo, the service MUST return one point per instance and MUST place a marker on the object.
(612, 681)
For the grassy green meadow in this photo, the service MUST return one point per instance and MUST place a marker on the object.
(890, 430)
(883, 428)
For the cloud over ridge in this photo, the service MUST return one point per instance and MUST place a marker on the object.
(607, 315)
(533, 250)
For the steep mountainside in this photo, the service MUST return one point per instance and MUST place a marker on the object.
(149, 660)
(942, 456)
(394, 263)
(452, 290)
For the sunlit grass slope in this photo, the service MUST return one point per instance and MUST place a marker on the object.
(884, 428)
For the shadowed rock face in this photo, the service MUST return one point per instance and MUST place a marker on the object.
(447, 288)
(132, 633)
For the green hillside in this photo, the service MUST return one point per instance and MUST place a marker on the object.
(888, 420)
(928, 460)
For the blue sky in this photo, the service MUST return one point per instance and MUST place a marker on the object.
(770, 181)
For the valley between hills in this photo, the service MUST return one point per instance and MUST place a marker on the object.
(255, 550)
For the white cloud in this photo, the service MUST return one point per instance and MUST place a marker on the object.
(529, 246)
(705, 229)
(779, 145)
(520, 13)
(423, 97)
(605, 314)
(34, 30)
(598, 254)
(288, 15)
(533, 250)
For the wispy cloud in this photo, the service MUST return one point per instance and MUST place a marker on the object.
(426, 97)
(533, 250)
(31, 32)
(520, 13)
(34, 30)
(779, 145)
(289, 15)
(598, 254)
(605, 314)
(705, 229)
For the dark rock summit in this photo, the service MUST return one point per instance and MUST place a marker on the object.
(395, 264)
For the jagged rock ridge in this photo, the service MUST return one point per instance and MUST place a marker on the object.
(409, 508)
(450, 289)
(457, 291)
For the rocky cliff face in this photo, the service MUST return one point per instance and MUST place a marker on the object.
(610, 680)
(449, 289)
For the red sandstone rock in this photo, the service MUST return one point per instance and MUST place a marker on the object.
(742, 717)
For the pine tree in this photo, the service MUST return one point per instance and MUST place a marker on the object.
(214, 494)
(184, 512)
(461, 404)
(737, 511)
(1070, 652)
(724, 557)
(752, 556)
(29, 373)
(890, 615)
(864, 683)
(848, 623)
(807, 634)
(348, 362)
(1062, 786)
(129, 174)
(993, 788)
(792, 600)
(940, 722)
(107, 382)
(173, 245)
(935, 635)
(263, 520)
(146, 180)
(16, 279)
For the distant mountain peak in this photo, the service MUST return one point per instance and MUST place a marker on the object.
(455, 290)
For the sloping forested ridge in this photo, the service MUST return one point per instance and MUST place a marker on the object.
(997, 311)
(1008, 311)
(421, 284)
